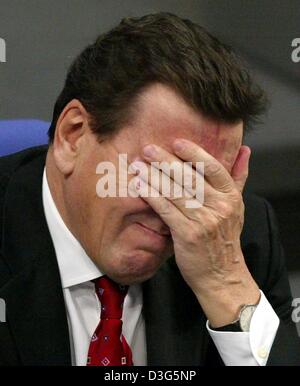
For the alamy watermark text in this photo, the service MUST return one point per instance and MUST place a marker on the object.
(296, 51)
(2, 311)
(2, 51)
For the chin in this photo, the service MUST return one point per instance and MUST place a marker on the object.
(134, 268)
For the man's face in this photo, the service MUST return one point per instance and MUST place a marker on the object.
(123, 235)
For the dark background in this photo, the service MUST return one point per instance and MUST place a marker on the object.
(43, 37)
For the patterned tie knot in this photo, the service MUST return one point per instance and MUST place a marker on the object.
(111, 296)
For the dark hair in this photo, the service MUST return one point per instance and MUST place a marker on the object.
(108, 75)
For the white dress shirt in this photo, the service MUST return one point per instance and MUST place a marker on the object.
(83, 306)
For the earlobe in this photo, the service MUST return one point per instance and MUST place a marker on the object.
(70, 130)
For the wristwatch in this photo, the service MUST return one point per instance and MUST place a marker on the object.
(242, 324)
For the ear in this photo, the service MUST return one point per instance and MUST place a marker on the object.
(71, 127)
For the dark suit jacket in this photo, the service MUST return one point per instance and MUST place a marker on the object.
(36, 330)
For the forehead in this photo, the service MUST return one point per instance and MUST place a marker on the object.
(161, 115)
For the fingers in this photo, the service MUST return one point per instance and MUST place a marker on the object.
(181, 172)
(240, 168)
(160, 183)
(214, 171)
(169, 181)
(171, 216)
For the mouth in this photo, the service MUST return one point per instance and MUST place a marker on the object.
(162, 232)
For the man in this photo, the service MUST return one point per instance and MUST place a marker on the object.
(207, 285)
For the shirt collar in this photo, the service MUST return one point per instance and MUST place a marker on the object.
(75, 266)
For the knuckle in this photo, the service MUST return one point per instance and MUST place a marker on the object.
(212, 168)
(212, 227)
(226, 210)
(236, 195)
(192, 237)
(193, 150)
(165, 208)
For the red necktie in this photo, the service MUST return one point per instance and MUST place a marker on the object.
(108, 346)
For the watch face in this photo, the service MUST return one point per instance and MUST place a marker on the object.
(245, 317)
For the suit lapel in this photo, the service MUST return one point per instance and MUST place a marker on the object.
(34, 300)
(175, 323)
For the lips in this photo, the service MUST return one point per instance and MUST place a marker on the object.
(162, 231)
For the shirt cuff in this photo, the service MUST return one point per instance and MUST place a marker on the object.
(248, 348)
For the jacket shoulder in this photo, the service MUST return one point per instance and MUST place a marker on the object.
(10, 164)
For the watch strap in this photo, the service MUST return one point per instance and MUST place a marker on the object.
(232, 327)
(236, 325)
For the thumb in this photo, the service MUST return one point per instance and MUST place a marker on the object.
(240, 169)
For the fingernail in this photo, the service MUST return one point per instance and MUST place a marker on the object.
(178, 145)
(149, 151)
